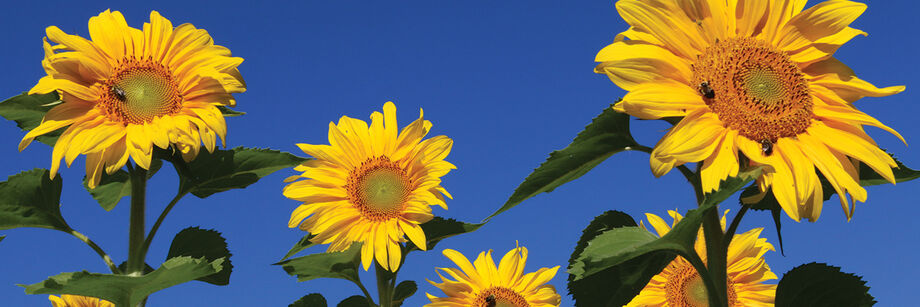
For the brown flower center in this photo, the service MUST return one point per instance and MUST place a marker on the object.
(379, 188)
(139, 91)
(500, 297)
(754, 88)
(685, 288)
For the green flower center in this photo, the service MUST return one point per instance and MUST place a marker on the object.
(139, 91)
(695, 291)
(379, 188)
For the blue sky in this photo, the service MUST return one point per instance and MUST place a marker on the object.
(509, 81)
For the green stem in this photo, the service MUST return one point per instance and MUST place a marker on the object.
(136, 265)
(384, 287)
(105, 257)
(156, 225)
(370, 300)
(730, 233)
(716, 255)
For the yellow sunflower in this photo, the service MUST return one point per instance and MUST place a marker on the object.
(481, 284)
(679, 284)
(754, 76)
(67, 300)
(129, 89)
(371, 185)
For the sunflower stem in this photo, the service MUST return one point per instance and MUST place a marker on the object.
(135, 265)
(384, 286)
(156, 225)
(102, 253)
(716, 256)
(730, 233)
(370, 300)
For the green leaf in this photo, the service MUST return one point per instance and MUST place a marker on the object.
(124, 290)
(818, 284)
(868, 176)
(303, 244)
(196, 242)
(2, 237)
(617, 285)
(29, 110)
(619, 245)
(342, 265)
(310, 300)
(767, 203)
(354, 301)
(228, 112)
(224, 170)
(607, 134)
(403, 290)
(438, 229)
(112, 188)
(32, 199)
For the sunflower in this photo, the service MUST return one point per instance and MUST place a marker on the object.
(481, 284)
(754, 76)
(67, 300)
(129, 89)
(371, 185)
(680, 285)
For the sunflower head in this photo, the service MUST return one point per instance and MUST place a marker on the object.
(751, 78)
(481, 284)
(680, 285)
(372, 184)
(67, 300)
(126, 90)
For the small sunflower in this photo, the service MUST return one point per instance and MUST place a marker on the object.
(67, 300)
(371, 185)
(754, 76)
(680, 285)
(481, 284)
(127, 90)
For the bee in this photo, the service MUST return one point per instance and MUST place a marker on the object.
(119, 93)
(490, 300)
(767, 147)
(707, 91)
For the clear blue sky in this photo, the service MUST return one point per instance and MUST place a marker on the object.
(509, 81)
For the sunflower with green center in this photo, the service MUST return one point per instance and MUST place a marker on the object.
(680, 285)
(127, 90)
(481, 284)
(372, 185)
(755, 76)
(67, 300)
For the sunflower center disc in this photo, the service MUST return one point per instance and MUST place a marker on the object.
(754, 89)
(140, 91)
(501, 297)
(379, 188)
(685, 288)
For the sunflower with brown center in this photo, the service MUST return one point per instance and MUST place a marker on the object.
(680, 285)
(371, 185)
(481, 284)
(127, 90)
(67, 300)
(754, 76)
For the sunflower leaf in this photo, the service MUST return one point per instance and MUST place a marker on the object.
(868, 176)
(354, 301)
(196, 242)
(619, 245)
(29, 110)
(32, 199)
(113, 187)
(310, 300)
(438, 229)
(767, 203)
(124, 290)
(342, 265)
(303, 244)
(614, 286)
(403, 290)
(228, 112)
(819, 284)
(2, 237)
(607, 134)
(237, 168)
